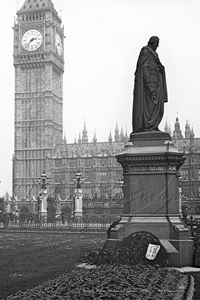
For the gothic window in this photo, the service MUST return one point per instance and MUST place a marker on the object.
(73, 163)
(193, 174)
(87, 163)
(198, 210)
(184, 174)
(58, 163)
(103, 174)
(103, 190)
(103, 162)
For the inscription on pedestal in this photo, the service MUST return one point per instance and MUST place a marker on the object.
(150, 169)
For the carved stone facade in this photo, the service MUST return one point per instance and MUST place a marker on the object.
(97, 163)
(190, 171)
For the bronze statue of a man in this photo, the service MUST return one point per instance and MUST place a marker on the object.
(150, 89)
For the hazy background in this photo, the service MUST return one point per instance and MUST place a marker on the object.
(103, 40)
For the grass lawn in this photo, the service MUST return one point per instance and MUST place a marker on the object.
(29, 259)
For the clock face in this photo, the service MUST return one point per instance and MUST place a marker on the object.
(32, 40)
(58, 42)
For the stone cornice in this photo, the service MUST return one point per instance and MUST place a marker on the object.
(148, 162)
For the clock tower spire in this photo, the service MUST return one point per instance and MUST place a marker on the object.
(39, 66)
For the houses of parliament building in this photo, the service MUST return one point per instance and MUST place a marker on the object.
(39, 145)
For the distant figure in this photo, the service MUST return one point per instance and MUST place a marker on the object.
(150, 89)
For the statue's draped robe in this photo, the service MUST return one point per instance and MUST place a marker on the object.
(150, 91)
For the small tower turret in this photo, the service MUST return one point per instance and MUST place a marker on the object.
(116, 133)
(84, 135)
(64, 139)
(110, 138)
(122, 135)
(187, 130)
(177, 134)
(166, 127)
(95, 138)
(79, 139)
(126, 138)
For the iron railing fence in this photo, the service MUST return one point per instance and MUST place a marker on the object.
(91, 223)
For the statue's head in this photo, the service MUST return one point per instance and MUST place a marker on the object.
(153, 42)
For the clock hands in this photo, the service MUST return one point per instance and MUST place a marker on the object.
(31, 40)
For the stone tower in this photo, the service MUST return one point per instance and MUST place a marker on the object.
(39, 67)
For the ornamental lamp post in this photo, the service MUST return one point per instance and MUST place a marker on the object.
(180, 194)
(79, 180)
(43, 181)
(121, 183)
(42, 198)
(78, 207)
(192, 211)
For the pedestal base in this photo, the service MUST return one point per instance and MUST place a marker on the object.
(171, 232)
(43, 213)
(78, 214)
(151, 199)
(78, 203)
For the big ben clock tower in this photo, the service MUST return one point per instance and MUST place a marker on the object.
(39, 67)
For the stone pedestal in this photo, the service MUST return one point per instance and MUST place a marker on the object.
(43, 203)
(78, 209)
(151, 194)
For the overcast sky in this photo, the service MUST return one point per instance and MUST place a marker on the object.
(103, 40)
